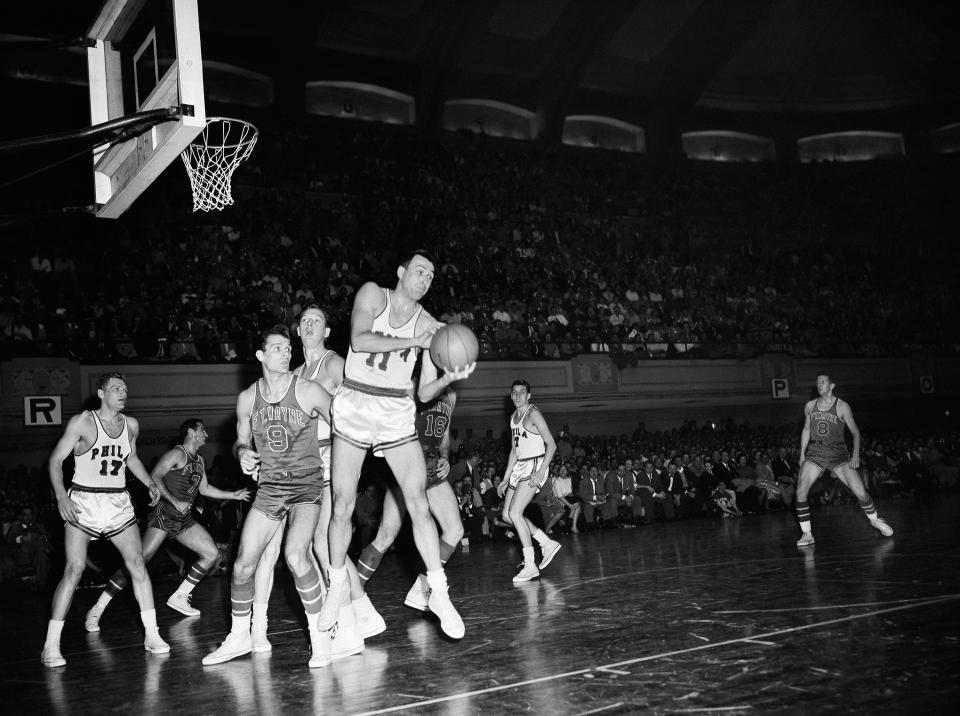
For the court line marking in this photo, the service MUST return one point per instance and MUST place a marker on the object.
(662, 655)
(823, 607)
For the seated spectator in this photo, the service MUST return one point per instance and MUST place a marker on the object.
(31, 545)
(592, 495)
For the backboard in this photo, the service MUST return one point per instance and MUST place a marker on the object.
(145, 55)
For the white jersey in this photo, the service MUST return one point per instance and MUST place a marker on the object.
(323, 427)
(392, 370)
(528, 445)
(103, 464)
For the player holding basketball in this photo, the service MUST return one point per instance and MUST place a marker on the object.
(277, 442)
(438, 401)
(531, 450)
(374, 408)
(97, 506)
(182, 471)
(323, 366)
(823, 447)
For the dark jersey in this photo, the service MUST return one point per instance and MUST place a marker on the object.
(826, 426)
(284, 434)
(184, 482)
(433, 419)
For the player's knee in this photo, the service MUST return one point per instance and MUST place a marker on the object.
(243, 572)
(453, 533)
(297, 558)
(210, 556)
(73, 570)
(137, 568)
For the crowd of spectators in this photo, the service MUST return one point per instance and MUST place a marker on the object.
(545, 253)
(596, 482)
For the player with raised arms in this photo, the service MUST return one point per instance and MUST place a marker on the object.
(374, 408)
(823, 447)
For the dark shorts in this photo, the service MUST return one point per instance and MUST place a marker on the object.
(278, 492)
(432, 479)
(163, 517)
(827, 456)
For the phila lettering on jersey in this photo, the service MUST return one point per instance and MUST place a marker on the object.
(285, 435)
(103, 464)
(393, 369)
(528, 445)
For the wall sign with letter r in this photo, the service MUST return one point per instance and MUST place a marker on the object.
(780, 388)
(42, 411)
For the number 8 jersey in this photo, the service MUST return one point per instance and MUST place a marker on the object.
(103, 464)
(284, 434)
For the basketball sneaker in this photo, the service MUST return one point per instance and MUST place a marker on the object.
(154, 644)
(180, 602)
(806, 539)
(881, 524)
(549, 550)
(369, 621)
(319, 649)
(259, 643)
(92, 621)
(51, 656)
(236, 644)
(419, 595)
(526, 573)
(440, 604)
(345, 639)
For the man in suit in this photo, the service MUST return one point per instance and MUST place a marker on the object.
(593, 495)
(465, 468)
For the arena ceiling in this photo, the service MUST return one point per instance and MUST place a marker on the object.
(620, 58)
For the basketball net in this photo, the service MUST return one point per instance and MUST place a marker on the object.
(212, 158)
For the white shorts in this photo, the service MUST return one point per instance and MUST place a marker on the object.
(372, 417)
(102, 512)
(325, 452)
(524, 469)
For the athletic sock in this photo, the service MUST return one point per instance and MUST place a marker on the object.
(54, 629)
(869, 509)
(194, 575)
(540, 536)
(241, 600)
(149, 619)
(446, 551)
(370, 559)
(529, 558)
(803, 516)
(259, 612)
(310, 588)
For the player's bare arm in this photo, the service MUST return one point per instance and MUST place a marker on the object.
(135, 466)
(805, 433)
(314, 399)
(208, 490)
(508, 470)
(368, 303)
(443, 452)
(80, 432)
(536, 419)
(243, 447)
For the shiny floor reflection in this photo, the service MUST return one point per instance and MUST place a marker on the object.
(719, 616)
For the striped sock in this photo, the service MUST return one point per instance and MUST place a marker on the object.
(194, 575)
(118, 580)
(869, 509)
(369, 560)
(803, 515)
(310, 588)
(241, 599)
(446, 551)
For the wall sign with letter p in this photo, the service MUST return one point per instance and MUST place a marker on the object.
(42, 411)
(780, 388)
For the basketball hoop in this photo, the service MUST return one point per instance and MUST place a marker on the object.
(212, 158)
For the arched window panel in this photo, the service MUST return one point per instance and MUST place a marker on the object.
(857, 146)
(484, 116)
(235, 85)
(946, 140)
(603, 133)
(719, 145)
(356, 100)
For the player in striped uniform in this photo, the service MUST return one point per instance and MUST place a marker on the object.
(531, 450)
(97, 506)
(277, 445)
(182, 471)
(374, 408)
(823, 447)
(437, 403)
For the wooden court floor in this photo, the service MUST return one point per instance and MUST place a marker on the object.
(708, 616)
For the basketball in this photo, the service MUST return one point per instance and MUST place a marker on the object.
(454, 346)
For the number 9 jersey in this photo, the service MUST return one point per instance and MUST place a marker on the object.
(285, 435)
